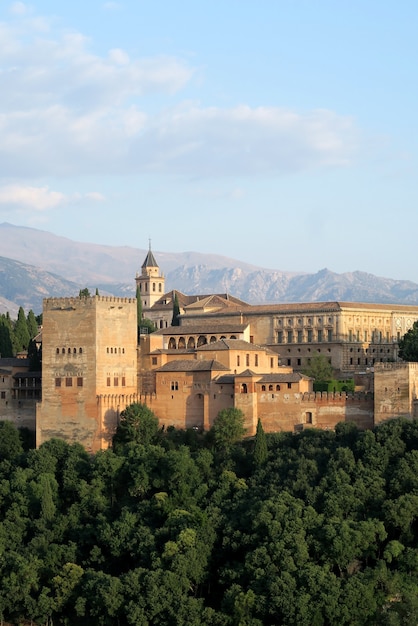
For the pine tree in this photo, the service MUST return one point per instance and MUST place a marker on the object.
(176, 311)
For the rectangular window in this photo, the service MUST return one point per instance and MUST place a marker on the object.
(3, 395)
(280, 336)
(300, 339)
(247, 360)
(123, 381)
(319, 336)
(289, 385)
(289, 336)
(58, 382)
(79, 381)
(309, 336)
(299, 361)
(350, 335)
(256, 360)
(289, 362)
(108, 381)
(271, 362)
(238, 360)
(174, 386)
(365, 335)
(68, 381)
(115, 381)
(154, 360)
(330, 335)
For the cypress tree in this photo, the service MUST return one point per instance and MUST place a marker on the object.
(32, 324)
(138, 309)
(260, 447)
(21, 332)
(176, 311)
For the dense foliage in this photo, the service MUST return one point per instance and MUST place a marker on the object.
(17, 335)
(176, 527)
(408, 344)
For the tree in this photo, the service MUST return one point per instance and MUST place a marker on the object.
(228, 428)
(319, 368)
(97, 291)
(84, 293)
(176, 311)
(260, 447)
(137, 423)
(408, 344)
(21, 332)
(32, 324)
(6, 333)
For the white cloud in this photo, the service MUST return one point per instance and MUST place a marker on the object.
(66, 111)
(18, 8)
(38, 198)
(43, 198)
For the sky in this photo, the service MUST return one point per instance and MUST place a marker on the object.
(282, 133)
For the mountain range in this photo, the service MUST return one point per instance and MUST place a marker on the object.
(35, 264)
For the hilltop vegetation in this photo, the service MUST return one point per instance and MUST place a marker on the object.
(199, 529)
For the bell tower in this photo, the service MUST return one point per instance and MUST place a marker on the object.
(150, 281)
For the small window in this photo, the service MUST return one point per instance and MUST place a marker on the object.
(58, 382)
(238, 360)
(68, 381)
(80, 350)
(256, 360)
(63, 350)
(115, 381)
(58, 350)
(263, 387)
(270, 387)
(74, 350)
(289, 385)
(107, 350)
(108, 381)
(174, 385)
(154, 360)
(277, 387)
(123, 381)
(247, 360)
(3, 395)
(69, 350)
(79, 381)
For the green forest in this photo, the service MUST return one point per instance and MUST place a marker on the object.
(187, 528)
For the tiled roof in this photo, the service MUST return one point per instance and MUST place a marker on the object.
(183, 365)
(246, 373)
(14, 362)
(234, 344)
(166, 300)
(292, 377)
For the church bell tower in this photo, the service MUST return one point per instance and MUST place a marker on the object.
(150, 281)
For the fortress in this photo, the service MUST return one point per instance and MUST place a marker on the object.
(224, 353)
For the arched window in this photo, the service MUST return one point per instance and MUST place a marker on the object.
(191, 343)
(212, 339)
(69, 350)
(172, 343)
(58, 350)
(277, 387)
(160, 287)
(202, 341)
(75, 350)
(270, 387)
(182, 343)
(263, 387)
(80, 350)
(232, 337)
(244, 388)
(63, 350)
(153, 286)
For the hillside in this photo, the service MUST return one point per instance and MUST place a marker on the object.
(36, 264)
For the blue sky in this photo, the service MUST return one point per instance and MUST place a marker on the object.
(282, 133)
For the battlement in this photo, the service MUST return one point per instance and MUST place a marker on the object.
(381, 367)
(75, 302)
(335, 396)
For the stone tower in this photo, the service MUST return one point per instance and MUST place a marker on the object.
(89, 368)
(150, 281)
